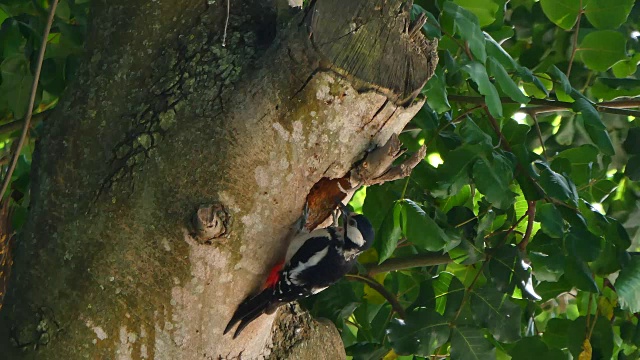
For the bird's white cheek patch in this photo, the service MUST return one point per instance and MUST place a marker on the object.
(355, 236)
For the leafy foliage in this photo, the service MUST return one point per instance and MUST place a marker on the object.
(21, 27)
(513, 239)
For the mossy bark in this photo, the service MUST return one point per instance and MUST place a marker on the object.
(163, 118)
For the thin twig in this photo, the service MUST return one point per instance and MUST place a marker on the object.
(226, 24)
(531, 215)
(535, 122)
(496, 128)
(509, 230)
(32, 99)
(395, 305)
(408, 263)
(575, 41)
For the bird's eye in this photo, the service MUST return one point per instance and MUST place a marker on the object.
(352, 222)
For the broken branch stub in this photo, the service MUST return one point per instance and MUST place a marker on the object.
(364, 48)
(377, 167)
(210, 222)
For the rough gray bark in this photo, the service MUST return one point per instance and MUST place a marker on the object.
(163, 119)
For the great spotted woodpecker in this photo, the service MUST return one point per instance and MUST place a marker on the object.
(314, 261)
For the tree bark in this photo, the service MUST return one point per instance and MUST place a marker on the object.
(167, 115)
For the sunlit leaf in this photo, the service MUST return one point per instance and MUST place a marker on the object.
(628, 285)
(563, 13)
(599, 50)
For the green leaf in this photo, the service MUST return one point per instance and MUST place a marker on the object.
(628, 285)
(594, 126)
(367, 351)
(493, 178)
(539, 84)
(495, 311)
(555, 334)
(469, 344)
(11, 38)
(421, 333)
(506, 83)
(599, 50)
(625, 68)
(579, 275)
(617, 234)
(457, 199)
(632, 142)
(549, 290)
(607, 14)
(466, 24)
(561, 78)
(607, 262)
(378, 203)
(507, 270)
(449, 294)
(426, 296)
(389, 234)
(513, 132)
(550, 219)
(16, 83)
(436, 92)
(422, 230)
(584, 163)
(547, 257)
(478, 73)
(581, 243)
(453, 174)
(533, 348)
(601, 189)
(472, 134)
(467, 253)
(497, 53)
(571, 335)
(485, 10)
(556, 185)
(563, 13)
(426, 118)
(632, 169)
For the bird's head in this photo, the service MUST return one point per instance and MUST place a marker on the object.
(360, 233)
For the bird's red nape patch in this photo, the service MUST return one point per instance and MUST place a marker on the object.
(274, 275)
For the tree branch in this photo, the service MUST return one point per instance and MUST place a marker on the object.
(544, 105)
(531, 214)
(408, 263)
(18, 124)
(382, 291)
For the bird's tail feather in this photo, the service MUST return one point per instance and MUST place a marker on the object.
(249, 310)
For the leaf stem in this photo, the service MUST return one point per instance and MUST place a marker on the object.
(575, 40)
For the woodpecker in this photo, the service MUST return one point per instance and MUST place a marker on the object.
(314, 261)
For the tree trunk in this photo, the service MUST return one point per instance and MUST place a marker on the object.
(172, 110)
